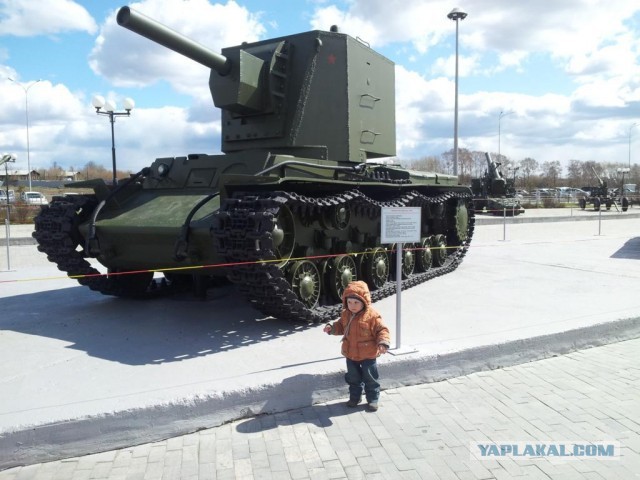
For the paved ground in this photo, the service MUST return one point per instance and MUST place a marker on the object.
(426, 431)
(142, 371)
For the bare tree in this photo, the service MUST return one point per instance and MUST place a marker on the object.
(528, 167)
(552, 171)
(427, 164)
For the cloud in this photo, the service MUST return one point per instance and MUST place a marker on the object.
(588, 45)
(571, 30)
(28, 18)
(127, 59)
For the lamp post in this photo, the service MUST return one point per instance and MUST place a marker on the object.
(6, 158)
(502, 114)
(631, 128)
(26, 113)
(109, 110)
(456, 14)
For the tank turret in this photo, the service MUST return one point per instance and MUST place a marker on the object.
(291, 211)
(317, 91)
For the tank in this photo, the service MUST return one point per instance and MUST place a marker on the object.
(290, 212)
(494, 192)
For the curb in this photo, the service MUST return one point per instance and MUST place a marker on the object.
(83, 436)
(484, 219)
(14, 242)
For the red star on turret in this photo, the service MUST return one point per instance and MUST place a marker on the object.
(331, 59)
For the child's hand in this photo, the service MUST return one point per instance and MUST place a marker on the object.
(327, 328)
(382, 349)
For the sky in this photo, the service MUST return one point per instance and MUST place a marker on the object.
(552, 80)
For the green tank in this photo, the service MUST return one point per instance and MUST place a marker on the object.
(291, 212)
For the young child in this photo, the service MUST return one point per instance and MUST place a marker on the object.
(365, 337)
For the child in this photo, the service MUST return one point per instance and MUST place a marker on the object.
(365, 337)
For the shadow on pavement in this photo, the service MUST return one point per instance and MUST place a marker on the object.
(630, 250)
(298, 390)
(137, 332)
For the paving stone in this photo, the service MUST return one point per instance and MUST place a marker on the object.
(424, 431)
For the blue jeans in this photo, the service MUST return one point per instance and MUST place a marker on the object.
(363, 375)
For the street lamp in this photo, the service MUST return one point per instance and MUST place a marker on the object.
(631, 128)
(455, 15)
(110, 107)
(502, 114)
(5, 159)
(26, 113)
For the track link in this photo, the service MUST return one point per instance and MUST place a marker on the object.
(243, 236)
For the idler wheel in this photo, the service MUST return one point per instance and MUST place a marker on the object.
(304, 278)
(341, 271)
(439, 250)
(284, 235)
(376, 268)
(424, 258)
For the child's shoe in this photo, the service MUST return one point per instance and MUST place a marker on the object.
(372, 407)
(353, 402)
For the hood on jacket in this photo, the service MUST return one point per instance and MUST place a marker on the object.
(358, 289)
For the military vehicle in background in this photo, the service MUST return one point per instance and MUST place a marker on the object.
(601, 195)
(495, 193)
(291, 212)
(631, 192)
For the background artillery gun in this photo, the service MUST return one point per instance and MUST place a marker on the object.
(601, 195)
(495, 192)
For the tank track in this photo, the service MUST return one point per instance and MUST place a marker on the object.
(243, 232)
(57, 235)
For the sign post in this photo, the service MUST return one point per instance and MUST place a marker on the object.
(400, 225)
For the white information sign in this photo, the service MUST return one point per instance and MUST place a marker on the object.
(400, 224)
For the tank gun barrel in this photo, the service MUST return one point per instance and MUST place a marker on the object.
(159, 33)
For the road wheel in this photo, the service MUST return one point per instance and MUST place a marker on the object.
(304, 278)
(341, 271)
(439, 250)
(376, 268)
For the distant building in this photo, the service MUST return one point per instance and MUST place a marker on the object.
(70, 176)
(19, 175)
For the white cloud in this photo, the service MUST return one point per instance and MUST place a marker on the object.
(26, 18)
(127, 59)
(380, 22)
(587, 41)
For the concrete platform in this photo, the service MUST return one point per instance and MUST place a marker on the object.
(87, 373)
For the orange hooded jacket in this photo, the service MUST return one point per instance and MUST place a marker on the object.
(363, 331)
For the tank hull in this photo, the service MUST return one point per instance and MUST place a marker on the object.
(290, 237)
